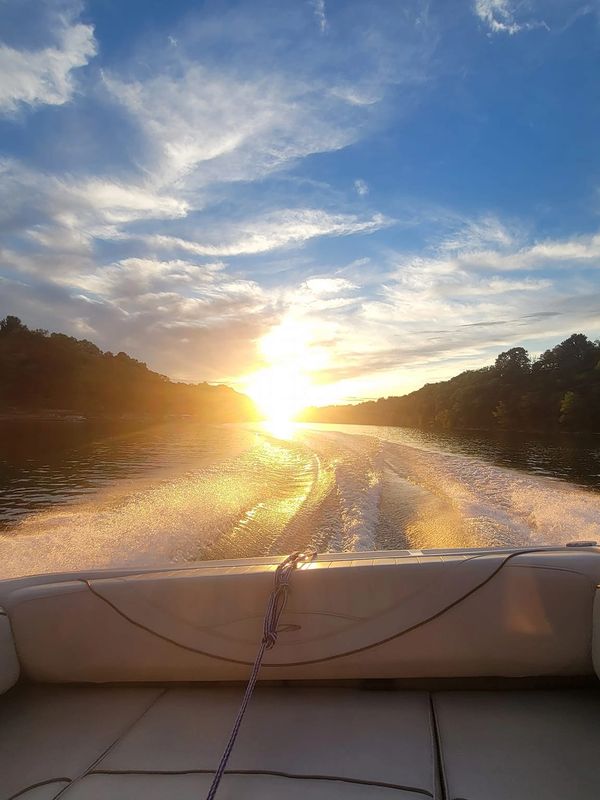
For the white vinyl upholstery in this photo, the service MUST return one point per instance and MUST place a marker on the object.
(334, 742)
(56, 733)
(516, 745)
(345, 733)
(297, 743)
(9, 664)
(45, 791)
(491, 614)
(233, 787)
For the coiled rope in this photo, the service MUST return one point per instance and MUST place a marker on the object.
(275, 606)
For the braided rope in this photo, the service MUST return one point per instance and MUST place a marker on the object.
(275, 606)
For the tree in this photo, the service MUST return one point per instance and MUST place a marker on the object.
(572, 410)
(515, 361)
(10, 324)
(561, 389)
(574, 354)
(54, 371)
(501, 415)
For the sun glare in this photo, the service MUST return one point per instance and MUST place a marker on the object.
(279, 392)
(283, 388)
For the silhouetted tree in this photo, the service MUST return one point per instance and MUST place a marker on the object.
(560, 390)
(39, 370)
(513, 362)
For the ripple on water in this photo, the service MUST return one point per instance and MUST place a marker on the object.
(183, 492)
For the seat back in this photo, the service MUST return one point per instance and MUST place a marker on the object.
(468, 614)
(9, 664)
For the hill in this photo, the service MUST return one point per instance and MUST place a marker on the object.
(42, 371)
(560, 390)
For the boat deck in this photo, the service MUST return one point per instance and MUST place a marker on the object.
(375, 743)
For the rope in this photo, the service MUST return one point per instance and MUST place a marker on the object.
(275, 606)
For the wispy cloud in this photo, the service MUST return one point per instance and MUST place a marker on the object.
(44, 76)
(283, 228)
(228, 201)
(320, 14)
(434, 316)
(208, 127)
(501, 16)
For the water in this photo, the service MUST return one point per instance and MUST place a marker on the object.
(80, 494)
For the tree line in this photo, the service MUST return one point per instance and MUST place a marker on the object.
(560, 390)
(41, 371)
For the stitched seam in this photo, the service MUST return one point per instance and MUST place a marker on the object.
(31, 786)
(438, 749)
(111, 746)
(273, 773)
(419, 624)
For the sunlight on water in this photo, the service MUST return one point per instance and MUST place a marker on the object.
(280, 428)
(184, 492)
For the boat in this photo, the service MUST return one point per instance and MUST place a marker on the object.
(399, 675)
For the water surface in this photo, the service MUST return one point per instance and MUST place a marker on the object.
(82, 494)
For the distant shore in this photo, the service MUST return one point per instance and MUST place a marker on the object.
(64, 415)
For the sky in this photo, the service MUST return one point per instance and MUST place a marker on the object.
(352, 198)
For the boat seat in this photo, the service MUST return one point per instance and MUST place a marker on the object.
(143, 743)
(299, 743)
(9, 663)
(519, 745)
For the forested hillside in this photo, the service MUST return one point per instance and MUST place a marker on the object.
(560, 390)
(41, 371)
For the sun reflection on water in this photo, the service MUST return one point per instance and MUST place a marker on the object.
(280, 428)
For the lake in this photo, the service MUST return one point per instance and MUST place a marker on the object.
(78, 494)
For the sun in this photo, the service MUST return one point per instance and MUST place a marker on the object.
(283, 388)
(279, 392)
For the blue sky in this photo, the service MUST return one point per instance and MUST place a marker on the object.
(380, 194)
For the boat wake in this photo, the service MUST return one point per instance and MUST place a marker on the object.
(333, 489)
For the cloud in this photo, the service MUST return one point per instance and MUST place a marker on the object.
(500, 17)
(44, 76)
(205, 119)
(320, 14)
(361, 187)
(475, 234)
(284, 228)
(190, 321)
(53, 224)
(424, 319)
(208, 126)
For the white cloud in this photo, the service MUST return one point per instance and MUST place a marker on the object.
(280, 229)
(479, 233)
(119, 203)
(44, 77)
(320, 14)
(190, 321)
(500, 16)
(210, 127)
(204, 119)
(322, 286)
(47, 206)
(429, 318)
(361, 187)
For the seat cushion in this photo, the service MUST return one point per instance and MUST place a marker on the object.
(56, 733)
(297, 742)
(43, 791)
(379, 736)
(520, 745)
(233, 787)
